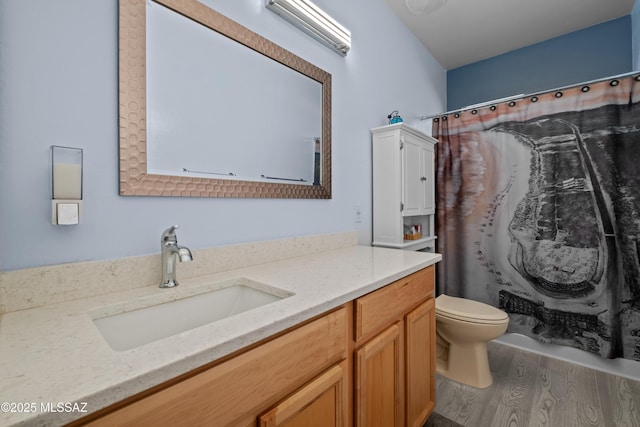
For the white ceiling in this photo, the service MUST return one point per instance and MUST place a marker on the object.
(466, 31)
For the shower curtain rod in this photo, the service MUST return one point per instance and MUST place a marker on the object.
(523, 96)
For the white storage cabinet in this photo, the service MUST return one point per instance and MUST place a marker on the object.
(403, 187)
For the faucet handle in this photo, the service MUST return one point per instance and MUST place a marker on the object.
(169, 235)
(184, 254)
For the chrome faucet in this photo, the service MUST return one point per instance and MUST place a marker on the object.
(170, 253)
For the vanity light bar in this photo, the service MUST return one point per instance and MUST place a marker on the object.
(310, 18)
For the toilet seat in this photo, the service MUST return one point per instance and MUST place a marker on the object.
(469, 311)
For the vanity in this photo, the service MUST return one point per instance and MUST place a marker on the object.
(306, 372)
(334, 351)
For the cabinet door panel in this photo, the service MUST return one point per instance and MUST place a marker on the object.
(378, 381)
(411, 177)
(420, 363)
(428, 183)
(321, 403)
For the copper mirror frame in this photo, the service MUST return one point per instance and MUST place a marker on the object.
(134, 179)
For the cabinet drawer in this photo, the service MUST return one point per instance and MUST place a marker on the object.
(380, 308)
(242, 387)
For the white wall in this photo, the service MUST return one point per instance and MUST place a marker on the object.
(59, 85)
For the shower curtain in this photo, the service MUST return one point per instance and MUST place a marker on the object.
(538, 213)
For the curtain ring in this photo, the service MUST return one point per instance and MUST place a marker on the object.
(558, 94)
(614, 82)
(585, 88)
(534, 99)
(512, 104)
(474, 111)
(492, 108)
(436, 120)
(456, 115)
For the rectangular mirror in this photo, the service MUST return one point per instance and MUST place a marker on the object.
(210, 109)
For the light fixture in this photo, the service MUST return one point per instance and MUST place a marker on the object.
(422, 7)
(310, 18)
(66, 185)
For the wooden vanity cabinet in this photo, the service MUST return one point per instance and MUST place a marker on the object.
(305, 363)
(395, 350)
(368, 363)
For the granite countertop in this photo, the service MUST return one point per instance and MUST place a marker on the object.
(57, 367)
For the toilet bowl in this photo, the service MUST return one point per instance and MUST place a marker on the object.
(463, 329)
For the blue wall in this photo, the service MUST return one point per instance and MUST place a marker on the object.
(599, 51)
(59, 85)
(635, 25)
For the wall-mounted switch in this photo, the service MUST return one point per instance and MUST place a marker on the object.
(357, 214)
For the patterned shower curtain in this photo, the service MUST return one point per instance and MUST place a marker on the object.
(539, 213)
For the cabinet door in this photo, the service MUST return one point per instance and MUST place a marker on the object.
(412, 184)
(321, 403)
(427, 179)
(420, 363)
(378, 381)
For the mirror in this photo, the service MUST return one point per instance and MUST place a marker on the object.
(186, 131)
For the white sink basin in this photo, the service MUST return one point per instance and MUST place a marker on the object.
(134, 323)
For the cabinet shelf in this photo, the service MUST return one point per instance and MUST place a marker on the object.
(419, 244)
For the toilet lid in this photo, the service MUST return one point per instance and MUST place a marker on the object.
(468, 310)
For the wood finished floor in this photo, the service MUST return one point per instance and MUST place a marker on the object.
(536, 391)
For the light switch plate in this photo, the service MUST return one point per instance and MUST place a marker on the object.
(357, 214)
(66, 212)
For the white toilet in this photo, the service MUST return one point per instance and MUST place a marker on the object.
(463, 329)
